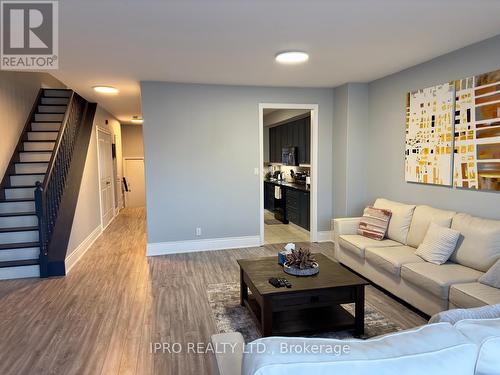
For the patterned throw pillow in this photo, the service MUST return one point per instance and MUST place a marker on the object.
(374, 223)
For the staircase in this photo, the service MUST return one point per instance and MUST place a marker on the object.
(33, 161)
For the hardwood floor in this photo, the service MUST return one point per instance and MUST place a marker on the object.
(103, 316)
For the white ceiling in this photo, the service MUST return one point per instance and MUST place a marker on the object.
(121, 42)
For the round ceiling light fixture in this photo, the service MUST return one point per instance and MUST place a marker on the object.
(106, 89)
(292, 57)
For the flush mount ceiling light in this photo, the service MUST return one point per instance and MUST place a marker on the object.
(136, 120)
(106, 89)
(292, 57)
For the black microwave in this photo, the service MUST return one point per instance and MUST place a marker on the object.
(289, 156)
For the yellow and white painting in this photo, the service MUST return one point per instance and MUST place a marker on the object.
(477, 132)
(429, 135)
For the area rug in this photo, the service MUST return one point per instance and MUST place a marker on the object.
(230, 316)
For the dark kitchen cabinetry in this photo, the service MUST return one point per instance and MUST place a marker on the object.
(268, 196)
(297, 207)
(296, 133)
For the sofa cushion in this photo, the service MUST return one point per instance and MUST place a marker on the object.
(357, 244)
(436, 279)
(492, 277)
(430, 349)
(473, 295)
(400, 219)
(485, 333)
(479, 243)
(422, 217)
(455, 315)
(391, 259)
(438, 245)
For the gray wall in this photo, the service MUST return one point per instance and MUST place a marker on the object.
(132, 141)
(18, 91)
(201, 148)
(350, 119)
(340, 109)
(387, 131)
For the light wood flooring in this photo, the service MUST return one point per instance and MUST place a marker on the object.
(282, 233)
(103, 316)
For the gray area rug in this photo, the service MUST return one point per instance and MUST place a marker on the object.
(224, 299)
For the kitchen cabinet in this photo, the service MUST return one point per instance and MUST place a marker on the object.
(296, 133)
(269, 196)
(297, 207)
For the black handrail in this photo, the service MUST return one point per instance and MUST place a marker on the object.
(49, 193)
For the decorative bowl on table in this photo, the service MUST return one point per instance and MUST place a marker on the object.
(301, 263)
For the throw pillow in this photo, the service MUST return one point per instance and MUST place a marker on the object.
(438, 244)
(374, 223)
(492, 277)
(401, 215)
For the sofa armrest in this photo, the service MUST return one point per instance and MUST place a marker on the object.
(229, 349)
(346, 225)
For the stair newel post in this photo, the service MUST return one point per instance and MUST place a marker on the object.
(40, 213)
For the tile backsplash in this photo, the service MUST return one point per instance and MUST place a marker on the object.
(285, 169)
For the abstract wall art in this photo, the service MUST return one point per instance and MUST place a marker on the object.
(477, 132)
(429, 135)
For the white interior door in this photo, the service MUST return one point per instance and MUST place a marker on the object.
(134, 175)
(105, 177)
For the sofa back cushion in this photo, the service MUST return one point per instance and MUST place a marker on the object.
(400, 219)
(422, 217)
(486, 335)
(479, 243)
(431, 349)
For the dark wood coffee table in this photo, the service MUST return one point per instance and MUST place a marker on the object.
(311, 305)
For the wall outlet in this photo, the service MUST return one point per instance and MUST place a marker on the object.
(198, 231)
(256, 171)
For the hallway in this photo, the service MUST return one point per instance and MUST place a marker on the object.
(103, 316)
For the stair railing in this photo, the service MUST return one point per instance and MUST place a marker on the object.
(49, 193)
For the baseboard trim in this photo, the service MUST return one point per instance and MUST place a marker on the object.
(80, 251)
(176, 247)
(325, 236)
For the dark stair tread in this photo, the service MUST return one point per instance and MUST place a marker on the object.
(20, 187)
(36, 151)
(49, 113)
(15, 200)
(31, 162)
(19, 263)
(39, 140)
(47, 122)
(19, 245)
(10, 214)
(18, 229)
(43, 131)
(27, 174)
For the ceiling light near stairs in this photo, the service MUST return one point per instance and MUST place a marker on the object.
(136, 120)
(106, 89)
(292, 57)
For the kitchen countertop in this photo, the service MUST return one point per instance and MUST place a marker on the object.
(301, 187)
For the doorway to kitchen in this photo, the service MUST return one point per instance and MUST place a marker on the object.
(288, 135)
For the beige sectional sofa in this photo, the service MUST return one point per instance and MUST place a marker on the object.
(393, 264)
